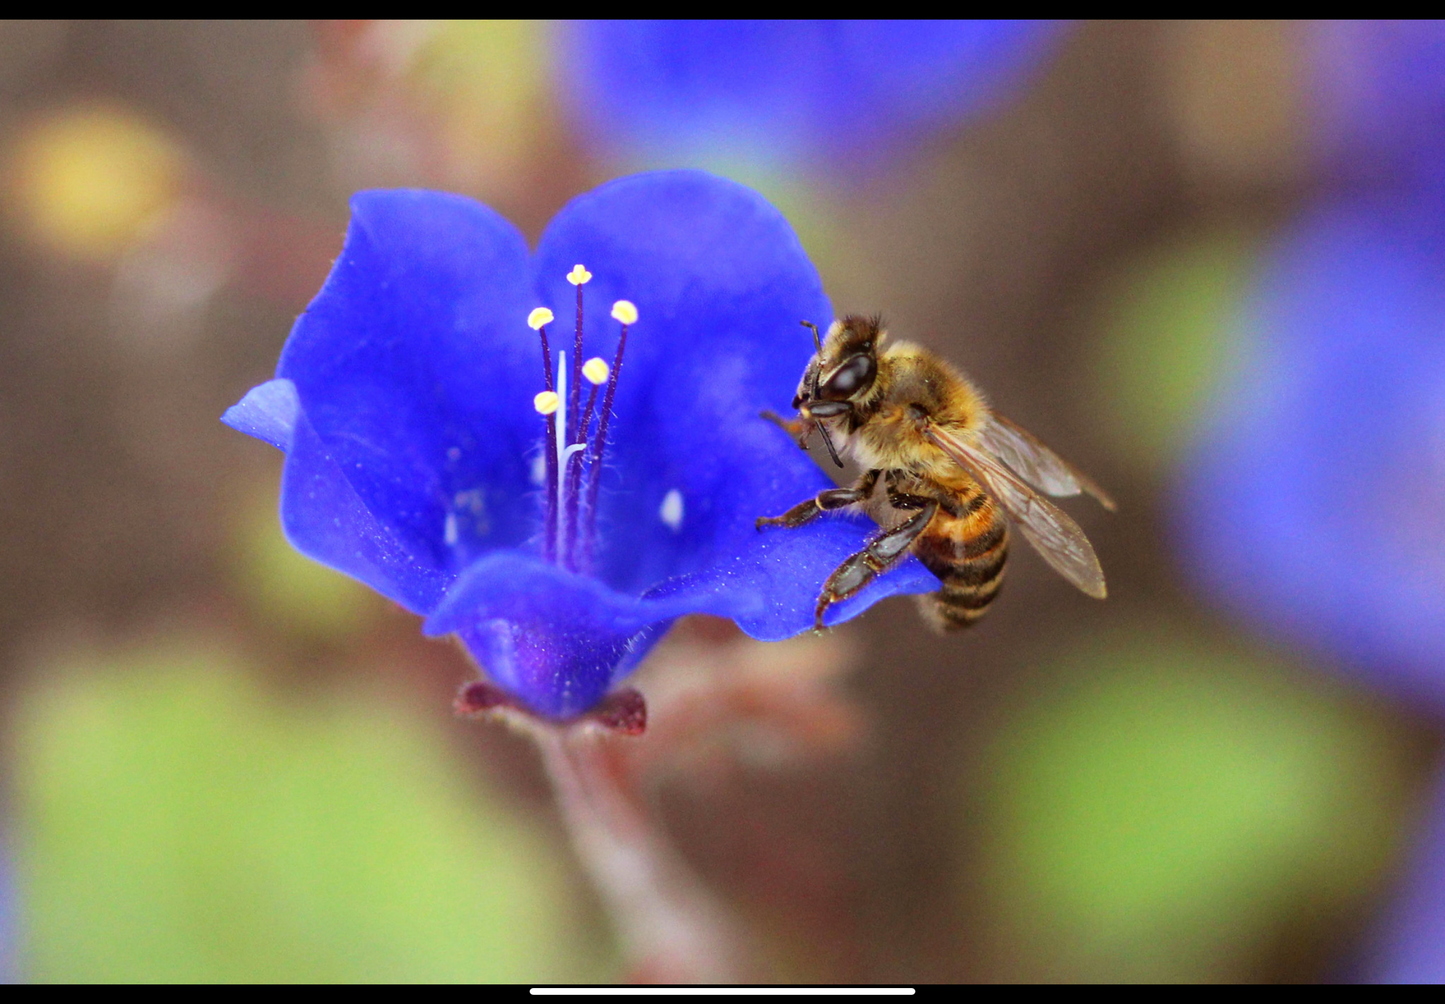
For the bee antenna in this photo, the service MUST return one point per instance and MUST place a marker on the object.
(817, 342)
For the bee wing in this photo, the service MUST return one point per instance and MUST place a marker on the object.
(1048, 528)
(1035, 462)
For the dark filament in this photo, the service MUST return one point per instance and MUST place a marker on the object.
(574, 479)
(594, 460)
(549, 533)
(575, 390)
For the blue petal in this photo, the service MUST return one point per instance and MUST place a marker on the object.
(770, 584)
(325, 517)
(553, 638)
(416, 370)
(268, 412)
(835, 93)
(559, 640)
(1316, 505)
(721, 284)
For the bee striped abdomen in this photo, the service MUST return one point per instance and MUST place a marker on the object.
(966, 546)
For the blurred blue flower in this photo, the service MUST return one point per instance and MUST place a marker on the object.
(1378, 90)
(9, 915)
(417, 460)
(839, 95)
(1316, 505)
(1410, 945)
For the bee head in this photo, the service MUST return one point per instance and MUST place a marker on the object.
(846, 362)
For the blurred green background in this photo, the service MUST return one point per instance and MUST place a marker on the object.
(225, 763)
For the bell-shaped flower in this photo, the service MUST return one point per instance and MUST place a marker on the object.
(446, 444)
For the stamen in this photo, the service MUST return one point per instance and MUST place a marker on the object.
(596, 370)
(538, 320)
(625, 313)
(570, 444)
(578, 277)
(571, 473)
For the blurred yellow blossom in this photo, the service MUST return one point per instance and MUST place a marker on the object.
(83, 182)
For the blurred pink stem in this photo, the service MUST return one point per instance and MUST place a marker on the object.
(672, 930)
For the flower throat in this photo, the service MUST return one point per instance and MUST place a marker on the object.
(576, 435)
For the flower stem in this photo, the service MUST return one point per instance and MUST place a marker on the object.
(671, 928)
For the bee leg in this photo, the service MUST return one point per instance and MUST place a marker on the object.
(901, 500)
(857, 570)
(833, 498)
(793, 427)
(803, 512)
(806, 512)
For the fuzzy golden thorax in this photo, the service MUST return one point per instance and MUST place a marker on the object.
(912, 390)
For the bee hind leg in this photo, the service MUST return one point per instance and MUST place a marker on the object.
(882, 552)
(833, 498)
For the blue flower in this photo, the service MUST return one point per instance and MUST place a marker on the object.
(839, 94)
(1410, 945)
(407, 399)
(1316, 505)
(1379, 97)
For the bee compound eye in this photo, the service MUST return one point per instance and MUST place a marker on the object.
(853, 376)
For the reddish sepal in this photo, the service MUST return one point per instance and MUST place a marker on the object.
(622, 711)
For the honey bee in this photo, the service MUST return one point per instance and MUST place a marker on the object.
(953, 474)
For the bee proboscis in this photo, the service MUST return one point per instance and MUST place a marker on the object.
(953, 474)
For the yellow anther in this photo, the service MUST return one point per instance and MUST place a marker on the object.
(578, 275)
(546, 402)
(625, 312)
(537, 318)
(596, 370)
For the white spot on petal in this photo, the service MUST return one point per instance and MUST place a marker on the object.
(539, 470)
(671, 510)
(449, 530)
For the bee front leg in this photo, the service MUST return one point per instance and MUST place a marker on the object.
(795, 427)
(833, 498)
(859, 569)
